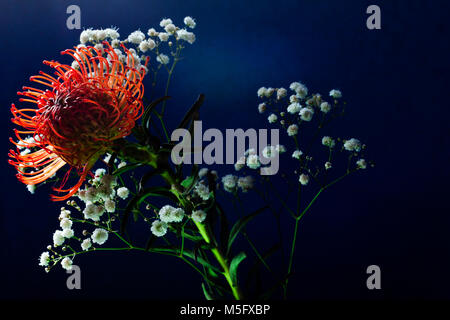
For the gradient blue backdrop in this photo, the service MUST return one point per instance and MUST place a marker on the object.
(394, 79)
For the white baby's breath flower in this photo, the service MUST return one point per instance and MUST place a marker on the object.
(269, 152)
(170, 28)
(294, 98)
(262, 107)
(280, 148)
(65, 223)
(186, 36)
(159, 228)
(121, 164)
(75, 65)
(198, 216)
(112, 33)
(85, 36)
(304, 179)
(229, 182)
(86, 244)
(110, 205)
(91, 194)
(67, 233)
(58, 238)
(188, 21)
(261, 92)
(299, 88)
(269, 92)
(31, 188)
(294, 107)
(115, 43)
(164, 22)
(99, 47)
(66, 263)
(253, 161)
(109, 180)
(163, 59)
(240, 163)
(328, 165)
(146, 45)
(328, 142)
(163, 36)
(100, 172)
(81, 194)
(272, 118)
(44, 259)
(136, 37)
(165, 213)
(352, 145)
(281, 93)
(325, 107)
(294, 85)
(152, 32)
(306, 114)
(202, 191)
(335, 93)
(99, 236)
(65, 214)
(292, 130)
(93, 212)
(361, 164)
(297, 154)
(177, 215)
(123, 192)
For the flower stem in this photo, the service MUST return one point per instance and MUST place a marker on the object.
(222, 261)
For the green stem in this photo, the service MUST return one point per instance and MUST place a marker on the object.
(222, 261)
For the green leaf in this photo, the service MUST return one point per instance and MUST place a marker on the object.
(186, 183)
(149, 109)
(241, 223)
(192, 111)
(234, 266)
(207, 294)
(126, 168)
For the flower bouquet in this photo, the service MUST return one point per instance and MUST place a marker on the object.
(123, 163)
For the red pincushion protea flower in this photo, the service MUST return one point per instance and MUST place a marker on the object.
(78, 118)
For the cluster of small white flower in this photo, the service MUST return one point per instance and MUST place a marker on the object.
(290, 111)
(232, 183)
(166, 215)
(99, 196)
(252, 160)
(51, 257)
(298, 103)
(139, 44)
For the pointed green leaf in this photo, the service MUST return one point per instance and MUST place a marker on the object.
(207, 294)
(149, 109)
(234, 266)
(241, 224)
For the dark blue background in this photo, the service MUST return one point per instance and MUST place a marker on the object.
(394, 79)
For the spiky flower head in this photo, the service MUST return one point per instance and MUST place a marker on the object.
(78, 117)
